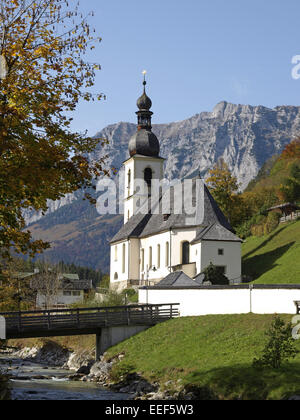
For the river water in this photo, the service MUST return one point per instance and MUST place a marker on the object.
(37, 382)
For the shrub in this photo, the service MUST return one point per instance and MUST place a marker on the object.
(273, 220)
(215, 275)
(280, 347)
(120, 371)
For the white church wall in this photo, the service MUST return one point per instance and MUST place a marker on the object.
(119, 262)
(134, 270)
(178, 237)
(231, 258)
(137, 165)
(198, 302)
(153, 242)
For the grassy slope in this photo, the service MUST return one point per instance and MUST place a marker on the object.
(274, 258)
(212, 351)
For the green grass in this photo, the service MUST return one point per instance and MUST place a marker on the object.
(275, 258)
(214, 353)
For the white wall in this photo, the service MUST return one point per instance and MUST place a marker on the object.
(60, 299)
(232, 257)
(216, 301)
(116, 264)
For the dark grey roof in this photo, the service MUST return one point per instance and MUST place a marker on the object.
(200, 279)
(177, 279)
(206, 213)
(215, 232)
(283, 206)
(145, 143)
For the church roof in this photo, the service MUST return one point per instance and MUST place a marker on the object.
(206, 215)
(215, 232)
(177, 279)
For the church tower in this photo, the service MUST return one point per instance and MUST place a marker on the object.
(144, 162)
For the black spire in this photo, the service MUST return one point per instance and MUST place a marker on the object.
(144, 105)
(144, 142)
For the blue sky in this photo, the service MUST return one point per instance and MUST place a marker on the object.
(197, 53)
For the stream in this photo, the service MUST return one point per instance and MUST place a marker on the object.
(32, 381)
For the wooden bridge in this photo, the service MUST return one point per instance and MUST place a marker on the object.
(109, 324)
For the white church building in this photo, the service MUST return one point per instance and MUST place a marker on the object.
(154, 243)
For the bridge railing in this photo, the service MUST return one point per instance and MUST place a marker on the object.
(88, 318)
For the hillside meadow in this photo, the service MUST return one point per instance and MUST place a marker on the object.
(274, 258)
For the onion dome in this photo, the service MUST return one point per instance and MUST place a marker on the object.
(144, 142)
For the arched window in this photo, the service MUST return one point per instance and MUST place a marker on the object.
(124, 258)
(116, 253)
(148, 179)
(129, 182)
(150, 257)
(185, 251)
(116, 277)
(158, 256)
(167, 254)
(143, 260)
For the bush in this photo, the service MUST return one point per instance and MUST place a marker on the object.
(130, 295)
(215, 275)
(280, 347)
(273, 220)
(120, 371)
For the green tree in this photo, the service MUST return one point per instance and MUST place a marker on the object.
(44, 75)
(280, 347)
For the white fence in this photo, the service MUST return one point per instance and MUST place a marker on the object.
(215, 300)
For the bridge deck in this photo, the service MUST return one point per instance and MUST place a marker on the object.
(83, 321)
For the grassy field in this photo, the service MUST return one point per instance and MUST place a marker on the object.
(274, 258)
(213, 352)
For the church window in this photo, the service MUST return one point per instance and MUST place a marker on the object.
(129, 182)
(128, 215)
(167, 254)
(124, 257)
(150, 257)
(185, 253)
(158, 256)
(220, 251)
(148, 179)
(116, 277)
(116, 253)
(143, 259)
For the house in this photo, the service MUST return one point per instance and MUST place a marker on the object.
(157, 239)
(59, 290)
(288, 211)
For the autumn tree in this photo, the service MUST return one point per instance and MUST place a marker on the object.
(44, 73)
(292, 150)
(224, 188)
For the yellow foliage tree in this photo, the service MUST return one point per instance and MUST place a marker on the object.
(43, 76)
(224, 187)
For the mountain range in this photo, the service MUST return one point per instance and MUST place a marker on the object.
(244, 136)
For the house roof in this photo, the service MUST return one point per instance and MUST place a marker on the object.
(285, 206)
(215, 232)
(205, 213)
(177, 279)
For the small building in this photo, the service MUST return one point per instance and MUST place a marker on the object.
(288, 211)
(60, 291)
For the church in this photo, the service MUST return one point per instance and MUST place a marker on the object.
(157, 241)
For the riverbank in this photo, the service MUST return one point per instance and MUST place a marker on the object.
(188, 358)
(30, 380)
